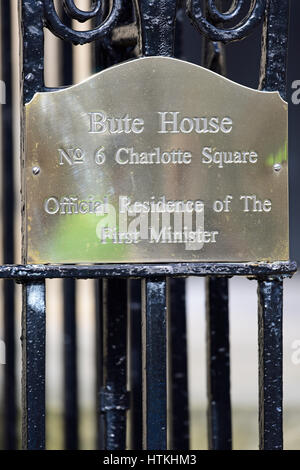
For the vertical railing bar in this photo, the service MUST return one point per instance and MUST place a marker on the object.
(135, 376)
(218, 364)
(33, 47)
(67, 56)
(154, 353)
(273, 74)
(273, 77)
(114, 400)
(100, 63)
(178, 407)
(33, 368)
(112, 315)
(111, 375)
(157, 33)
(99, 362)
(71, 418)
(270, 299)
(8, 227)
(217, 316)
(178, 366)
(34, 310)
(157, 27)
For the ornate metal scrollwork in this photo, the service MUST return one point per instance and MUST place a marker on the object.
(55, 24)
(82, 16)
(218, 31)
(213, 23)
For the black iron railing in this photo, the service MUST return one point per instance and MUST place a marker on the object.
(145, 301)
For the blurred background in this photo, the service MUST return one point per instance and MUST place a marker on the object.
(243, 61)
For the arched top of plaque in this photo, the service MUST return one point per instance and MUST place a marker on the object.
(156, 159)
(158, 65)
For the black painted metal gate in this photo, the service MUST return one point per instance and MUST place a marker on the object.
(144, 302)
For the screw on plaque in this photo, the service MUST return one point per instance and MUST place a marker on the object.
(277, 167)
(36, 170)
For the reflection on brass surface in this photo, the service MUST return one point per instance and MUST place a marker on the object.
(156, 160)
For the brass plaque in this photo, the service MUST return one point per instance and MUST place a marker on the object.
(156, 160)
